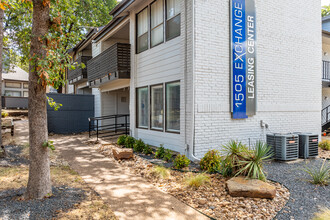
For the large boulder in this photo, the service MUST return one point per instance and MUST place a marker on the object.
(122, 153)
(252, 188)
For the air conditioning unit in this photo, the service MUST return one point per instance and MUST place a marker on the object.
(308, 145)
(285, 146)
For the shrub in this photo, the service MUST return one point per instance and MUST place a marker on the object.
(160, 152)
(121, 140)
(252, 163)
(197, 180)
(325, 145)
(168, 155)
(147, 149)
(139, 146)
(160, 172)
(4, 114)
(323, 214)
(211, 161)
(320, 176)
(129, 142)
(181, 161)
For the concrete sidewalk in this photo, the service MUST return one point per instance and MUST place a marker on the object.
(130, 196)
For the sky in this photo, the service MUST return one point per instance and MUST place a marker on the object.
(325, 2)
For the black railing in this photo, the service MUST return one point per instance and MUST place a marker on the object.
(325, 118)
(108, 126)
(326, 70)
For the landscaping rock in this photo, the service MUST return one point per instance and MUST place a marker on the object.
(251, 188)
(122, 153)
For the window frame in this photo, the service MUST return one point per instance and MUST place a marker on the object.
(168, 19)
(165, 110)
(13, 87)
(150, 109)
(27, 85)
(136, 108)
(136, 30)
(163, 23)
(13, 91)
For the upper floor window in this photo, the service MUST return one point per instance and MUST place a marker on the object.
(157, 22)
(158, 26)
(142, 30)
(12, 84)
(173, 19)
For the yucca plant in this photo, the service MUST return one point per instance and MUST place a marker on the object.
(320, 176)
(252, 164)
(233, 152)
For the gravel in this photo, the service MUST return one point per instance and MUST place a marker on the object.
(63, 198)
(305, 197)
(13, 157)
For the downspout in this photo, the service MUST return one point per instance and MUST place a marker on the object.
(192, 147)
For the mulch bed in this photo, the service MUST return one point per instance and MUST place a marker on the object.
(71, 197)
(211, 199)
(324, 153)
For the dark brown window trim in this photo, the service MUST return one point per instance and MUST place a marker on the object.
(136, 107)
(150, 110)
(166, 130)
(136, 30)
(171, 38)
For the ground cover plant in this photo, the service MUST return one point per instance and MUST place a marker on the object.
(323, 214)
(160, 172)
(147, 150)
(160, 152)
(319, 175)
(121, 140)
(129, 142)
(325, 145)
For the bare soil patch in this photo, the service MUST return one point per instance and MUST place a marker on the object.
(211, 199)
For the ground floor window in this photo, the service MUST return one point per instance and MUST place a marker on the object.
(173, 106)
(164, 110)
(142, 107)
(157, 109)
(12, 93)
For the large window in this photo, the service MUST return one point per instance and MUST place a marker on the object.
(142, 107)
(13, 85)
(142, 30)
(155, 26)
(12, 93)
(157, 22)
(173, 19)
(25, 85)
(173, 107)
(157, 103)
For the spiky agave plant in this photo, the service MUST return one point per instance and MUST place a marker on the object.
(252, 164)
(320, 176)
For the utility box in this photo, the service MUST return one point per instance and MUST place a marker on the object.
(308, 145)
(285, 146)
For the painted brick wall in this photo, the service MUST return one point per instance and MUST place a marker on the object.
(289, 53)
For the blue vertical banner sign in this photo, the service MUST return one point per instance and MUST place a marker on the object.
(243, 58)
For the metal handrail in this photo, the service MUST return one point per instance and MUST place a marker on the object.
(109, 125)
(325, 115)
(326, 70)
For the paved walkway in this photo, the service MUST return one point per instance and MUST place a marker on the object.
(129, 195)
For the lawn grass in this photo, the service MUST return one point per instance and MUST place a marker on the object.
(92, 207)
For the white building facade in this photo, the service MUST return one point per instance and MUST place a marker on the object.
(178, 92)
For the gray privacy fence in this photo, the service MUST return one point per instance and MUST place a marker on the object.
(72, 116)
(12, 102)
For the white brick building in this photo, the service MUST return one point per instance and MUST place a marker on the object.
(192, 53)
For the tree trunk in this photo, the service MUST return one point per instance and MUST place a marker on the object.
(1, 57)
(39, 184)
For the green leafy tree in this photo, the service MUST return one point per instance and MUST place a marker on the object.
(41, 31)
(325, 10)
